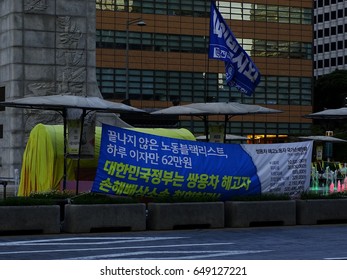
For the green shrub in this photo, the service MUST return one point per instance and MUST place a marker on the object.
(95, 198)
(180, 199)
(261, 197)
(52, 195)
(25, 201)
(313, 195)
(59, 197)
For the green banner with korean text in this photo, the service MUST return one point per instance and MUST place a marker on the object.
(137, 164)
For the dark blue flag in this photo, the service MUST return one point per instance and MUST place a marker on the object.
(241, 71)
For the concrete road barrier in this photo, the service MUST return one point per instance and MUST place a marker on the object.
(260, 213)
(38, 218)
(321, 211)
(165, 216)
(104, 217)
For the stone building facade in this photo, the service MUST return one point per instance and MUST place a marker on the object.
(47, 47)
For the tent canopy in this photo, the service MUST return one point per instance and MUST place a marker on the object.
(231, 108)
(226, 109)
(323, 138)
(340, 113)
(61, 102)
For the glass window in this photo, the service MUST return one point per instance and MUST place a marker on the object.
(200, 8)
(295, 15)
(326, 47)
(340, 13)
(283, 14)
(333, 15)
(198, 44)
(333, 46)
(326, 16)
(307, 16)
(326, 62)
(333, 61)
(333, 30)
(340, 60)
(235, 11)
(105, 5)
(340, 45)
(271, 89)
(326, 32)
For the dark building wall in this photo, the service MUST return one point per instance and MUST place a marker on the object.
(167, 58)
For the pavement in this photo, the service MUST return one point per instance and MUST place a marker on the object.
(319, 242)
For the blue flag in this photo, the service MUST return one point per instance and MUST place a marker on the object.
(241, 71)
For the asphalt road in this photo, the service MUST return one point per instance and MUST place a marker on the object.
(319, 242)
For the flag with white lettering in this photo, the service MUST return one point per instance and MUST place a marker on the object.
(241, 71)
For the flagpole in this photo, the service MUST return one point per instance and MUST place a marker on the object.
(206, 84)
(207, 71)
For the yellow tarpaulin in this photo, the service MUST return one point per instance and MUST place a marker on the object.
(43, 158)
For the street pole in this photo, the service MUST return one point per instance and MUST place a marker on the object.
(138, 22)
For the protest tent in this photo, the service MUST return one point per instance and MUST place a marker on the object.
(327, 140)
(323, 138)
(62, 103)
(228, 109)
(328, 115)
(180, 110)
(340, 113)
(43, 158)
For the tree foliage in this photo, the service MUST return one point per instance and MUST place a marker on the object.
(330, 91)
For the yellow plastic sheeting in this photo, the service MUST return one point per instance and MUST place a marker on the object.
(43, 158)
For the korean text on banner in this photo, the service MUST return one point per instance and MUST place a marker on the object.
(143, 165)
(240, 70)
(282, 168)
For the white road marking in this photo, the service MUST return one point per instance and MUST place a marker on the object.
(339, 258)
(115, 240)
(143, 250)
(191, 254)
(115, 248)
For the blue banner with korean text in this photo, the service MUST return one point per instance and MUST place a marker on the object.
(137, 164)
(241, 72)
